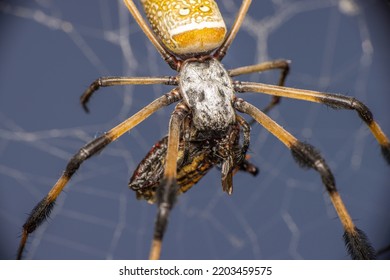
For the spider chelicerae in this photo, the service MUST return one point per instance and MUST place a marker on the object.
(205, 127)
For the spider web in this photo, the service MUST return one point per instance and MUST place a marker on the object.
(51, 50)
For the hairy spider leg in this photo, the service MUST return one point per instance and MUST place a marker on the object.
(168, 188)
(336, 101)
(42, 210)
(308, 157)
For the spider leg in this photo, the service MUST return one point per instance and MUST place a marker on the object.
(308, 157)
(245, 165)
(166, 55)
(335, 101)
(247, 133)
(120, 81)
(167, 191)
(283, 65)
(221, 51)
(42, 210)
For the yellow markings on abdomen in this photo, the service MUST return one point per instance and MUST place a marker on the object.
(186, 27)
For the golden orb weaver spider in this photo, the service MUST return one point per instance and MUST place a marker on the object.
(190, 117)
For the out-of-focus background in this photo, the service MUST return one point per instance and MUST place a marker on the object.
(51, 50)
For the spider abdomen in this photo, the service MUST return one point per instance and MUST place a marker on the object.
(207, 90)
(186, 27)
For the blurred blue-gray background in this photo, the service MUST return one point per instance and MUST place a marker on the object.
(51, 50)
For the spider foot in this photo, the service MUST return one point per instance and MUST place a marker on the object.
(386, 152)
(166, 198)
(358, 246)
(37, 216)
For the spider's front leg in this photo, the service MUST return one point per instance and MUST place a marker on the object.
(167, 191)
